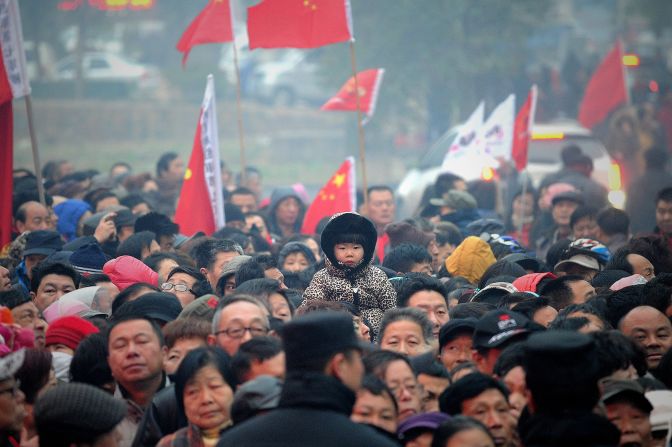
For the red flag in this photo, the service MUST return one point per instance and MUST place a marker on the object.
(13, 84)
(212, 25)
(522, 130)
(298, 23)
(368, 83)
(201, 205)
(606, 89)
(336, 196)
(6, 166)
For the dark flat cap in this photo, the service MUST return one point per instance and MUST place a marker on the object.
(43, 242)
(572, 196)
(260, 394)
(77, 413)
(626, 390)
(453, 328)
(161, 306)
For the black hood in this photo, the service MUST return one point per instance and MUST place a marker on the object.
(349, 223)
(569, 429)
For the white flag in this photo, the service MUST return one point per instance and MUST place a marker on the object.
(497, 131)
(210, 144)
(467, 137)
(13, 55)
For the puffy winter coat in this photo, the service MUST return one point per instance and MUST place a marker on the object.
(364, 285)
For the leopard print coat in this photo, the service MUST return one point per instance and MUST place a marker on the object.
(368, 289)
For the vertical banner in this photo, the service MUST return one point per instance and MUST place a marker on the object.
(201, 203)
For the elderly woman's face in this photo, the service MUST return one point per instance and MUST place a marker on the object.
(207, 399)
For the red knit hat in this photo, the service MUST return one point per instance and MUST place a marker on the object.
(69, 331)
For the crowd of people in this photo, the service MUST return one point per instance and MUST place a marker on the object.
(544, 322)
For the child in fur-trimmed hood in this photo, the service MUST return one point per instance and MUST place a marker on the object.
(349, 241)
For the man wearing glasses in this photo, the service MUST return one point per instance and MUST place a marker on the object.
(181, 282)
(237, 320)
(11, 399)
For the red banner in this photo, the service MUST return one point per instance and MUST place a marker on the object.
(298, 23)
(336, 196)
(606, 89)
(212, 25)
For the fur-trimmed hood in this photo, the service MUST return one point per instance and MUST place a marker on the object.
(349, 223)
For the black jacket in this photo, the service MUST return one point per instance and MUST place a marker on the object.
(314, 410)
(573, 429)
(641, 199)
(161, 418)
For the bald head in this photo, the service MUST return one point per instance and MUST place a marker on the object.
(32, 216)
(649, 328)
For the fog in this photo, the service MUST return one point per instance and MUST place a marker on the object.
(441, 58)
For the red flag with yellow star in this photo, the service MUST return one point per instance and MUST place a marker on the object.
(336, 196)
(298, 23)
(212, 25)
(368, 83)
(201, 203)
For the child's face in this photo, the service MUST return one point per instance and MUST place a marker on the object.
(348, 253)
(295, 262)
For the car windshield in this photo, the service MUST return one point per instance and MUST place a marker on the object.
(548, 151)
(436, 153)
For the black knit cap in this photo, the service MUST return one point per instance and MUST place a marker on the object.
(76, 413)
(319, 334)
(88, 259)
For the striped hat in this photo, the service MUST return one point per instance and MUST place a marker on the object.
(88, 259)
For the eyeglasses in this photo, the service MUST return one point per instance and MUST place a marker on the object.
(239, 331)
(14, 390)
(177, 287)
(397, 389)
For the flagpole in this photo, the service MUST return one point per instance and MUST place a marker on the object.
(530, 123)
(521, 213)
(628, 101)
(239, 108)
(360, 125)
(36, 152)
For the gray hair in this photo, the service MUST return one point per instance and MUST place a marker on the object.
(236, 298)
(412, 314)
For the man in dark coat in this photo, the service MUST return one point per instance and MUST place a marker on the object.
(562, 373)
(324, 369)
(577, 170)
(641, 198)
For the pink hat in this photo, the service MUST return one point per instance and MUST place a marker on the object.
(125, 271)
(632, 280)
(553, 190)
